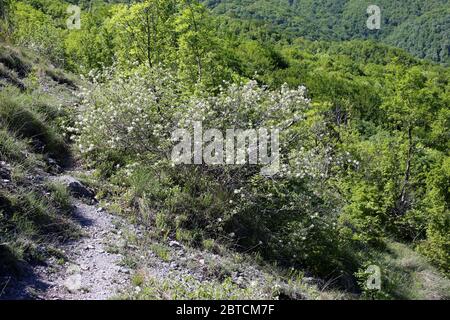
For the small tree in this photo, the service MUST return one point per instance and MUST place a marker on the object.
(145, 33)
(409, 110)
(200, 54)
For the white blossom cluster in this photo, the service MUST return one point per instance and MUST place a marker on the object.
(127, 112)
(135, 113)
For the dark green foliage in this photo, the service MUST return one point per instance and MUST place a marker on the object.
(292, 225)
(416, 26)
(437, 245)
(431, 35)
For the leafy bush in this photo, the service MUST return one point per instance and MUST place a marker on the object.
(127, 126)
(37, 31)
(437, 245)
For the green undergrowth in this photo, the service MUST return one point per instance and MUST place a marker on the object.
(405, 274)
(35, 214)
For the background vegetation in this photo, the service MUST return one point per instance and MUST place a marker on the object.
(366, 168)
(416, 26)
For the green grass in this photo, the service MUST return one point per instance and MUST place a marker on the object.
(17, 151)
(9, 76)
(138, 279)
(60, 77)
(31, 221)
(60, 197)
(161, 251)
(19, 118)
(34, 217)
(406, 275)
(21, 62)
(15, 60)
(191, 289)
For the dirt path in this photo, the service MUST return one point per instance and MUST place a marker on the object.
(91, 269)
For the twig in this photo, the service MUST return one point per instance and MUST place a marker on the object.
(4, 287)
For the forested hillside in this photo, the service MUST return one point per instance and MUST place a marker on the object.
(420, 27)
(364, 165)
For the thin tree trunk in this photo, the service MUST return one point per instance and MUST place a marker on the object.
(408, 168)
(197, 53)
(149, 39)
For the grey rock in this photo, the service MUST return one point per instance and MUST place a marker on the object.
(76, 188)
(80, 191)
(73, 283)
(54, 165)
(5, 174)
(175, 244)
(124, 270)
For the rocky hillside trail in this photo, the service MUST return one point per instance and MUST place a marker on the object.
(92, 272)
(116, 259)
(89, 270)
(110, 257)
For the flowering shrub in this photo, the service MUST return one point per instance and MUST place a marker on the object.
(134, 115)
(130, 115)
(126, 129)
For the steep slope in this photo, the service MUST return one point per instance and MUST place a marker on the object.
(34, 213)
(427, 36)
(354, 192)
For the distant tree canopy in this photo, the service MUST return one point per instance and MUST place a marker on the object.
(406, 24)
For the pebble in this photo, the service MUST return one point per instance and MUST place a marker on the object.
(174, 243)
(124, 270)
(73, 283)
(84, 267)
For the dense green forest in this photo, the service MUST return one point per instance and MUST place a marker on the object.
(420, 27)
(365, 125)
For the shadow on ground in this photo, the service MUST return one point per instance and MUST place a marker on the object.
(21, 280)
